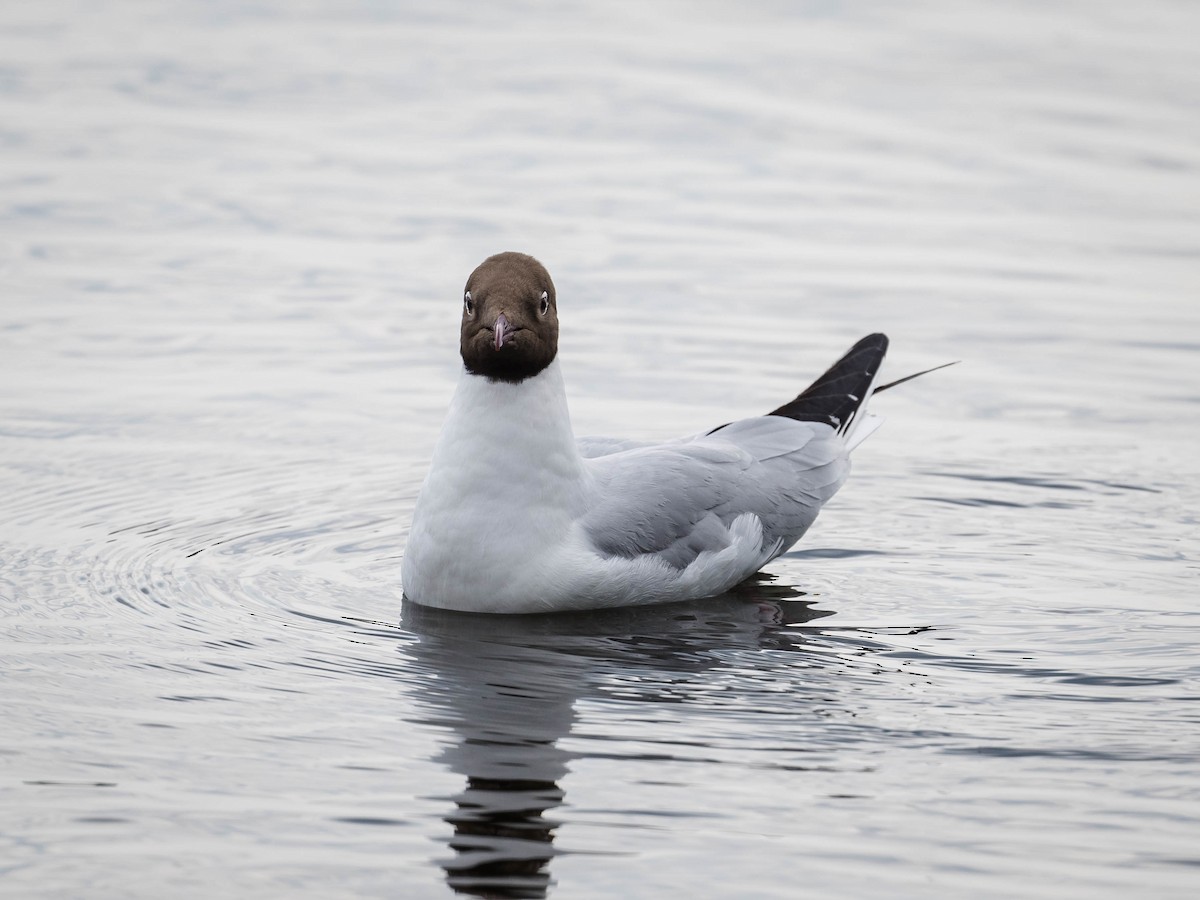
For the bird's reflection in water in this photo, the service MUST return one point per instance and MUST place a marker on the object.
(506, 688)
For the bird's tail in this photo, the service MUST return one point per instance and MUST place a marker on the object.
(839, 397)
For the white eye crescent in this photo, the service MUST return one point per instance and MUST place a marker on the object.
(468, 305)
(545, 307)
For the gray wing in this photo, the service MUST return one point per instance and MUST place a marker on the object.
(677, 500)
(590, 447)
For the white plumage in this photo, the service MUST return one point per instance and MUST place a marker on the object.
(516, 516)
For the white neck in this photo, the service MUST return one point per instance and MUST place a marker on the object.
(510, 438)
(506, 483)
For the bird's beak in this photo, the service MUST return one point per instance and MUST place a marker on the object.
(502, 332)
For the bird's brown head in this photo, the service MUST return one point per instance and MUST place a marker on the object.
(510, 318)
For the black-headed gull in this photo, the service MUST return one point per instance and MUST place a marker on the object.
(516, 516)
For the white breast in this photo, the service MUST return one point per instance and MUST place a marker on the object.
(507, 518)
(505, 485)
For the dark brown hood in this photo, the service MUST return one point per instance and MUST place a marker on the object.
(510, 318)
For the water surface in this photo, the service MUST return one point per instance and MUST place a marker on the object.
(233, 237)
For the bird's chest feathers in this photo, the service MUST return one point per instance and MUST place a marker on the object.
(506, 475)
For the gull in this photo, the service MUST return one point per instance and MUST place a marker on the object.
(517, 516)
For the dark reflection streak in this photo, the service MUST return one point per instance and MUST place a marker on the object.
(983, 501)
(1074, 484)
(325, 620)
(506, 687)
(832, 553)
(377, 629)
(509, 813)
(1041, 673)
(1111, 756)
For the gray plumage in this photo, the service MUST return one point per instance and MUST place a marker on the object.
(677, 500)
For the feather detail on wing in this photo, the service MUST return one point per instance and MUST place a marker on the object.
(591, 446)
(839, 397)
(676, 501)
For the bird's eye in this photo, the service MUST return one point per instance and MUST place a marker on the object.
(468, 305)
(545, 307)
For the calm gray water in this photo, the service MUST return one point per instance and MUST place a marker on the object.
(232, 239)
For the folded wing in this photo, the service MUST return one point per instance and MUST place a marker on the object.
(675, 501)
(678, 500)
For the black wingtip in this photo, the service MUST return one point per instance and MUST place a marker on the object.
(836, 396)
